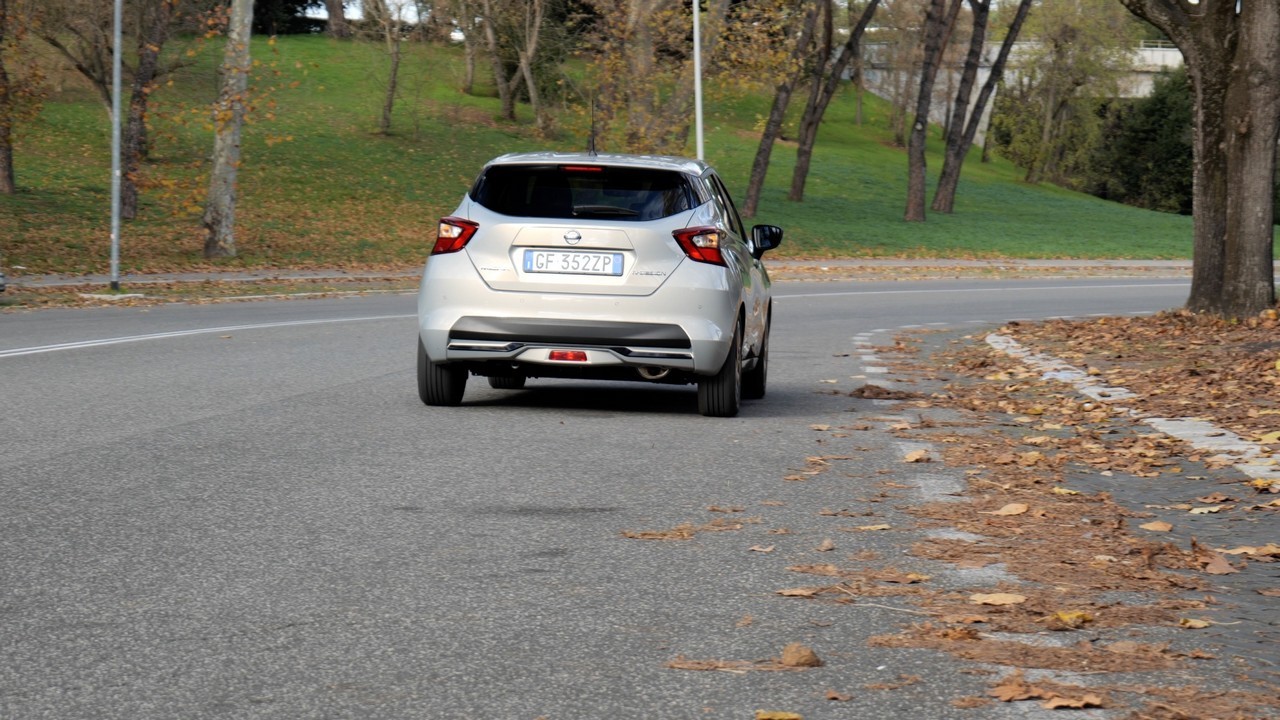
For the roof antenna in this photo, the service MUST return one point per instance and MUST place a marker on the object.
(591, 140)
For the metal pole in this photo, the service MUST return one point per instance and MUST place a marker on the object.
(697, 75)
(115, 145)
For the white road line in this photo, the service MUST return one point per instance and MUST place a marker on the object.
(80, 345)
(981, 290)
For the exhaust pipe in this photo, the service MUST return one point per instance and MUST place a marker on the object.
(653, 373)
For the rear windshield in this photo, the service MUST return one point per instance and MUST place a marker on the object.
(584, 191)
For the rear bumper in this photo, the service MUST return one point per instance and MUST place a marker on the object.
(687, 324)
(569, 332)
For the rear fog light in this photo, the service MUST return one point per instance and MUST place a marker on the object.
(568, 355)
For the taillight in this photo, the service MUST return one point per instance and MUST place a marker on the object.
(701, 244)
(453, 235)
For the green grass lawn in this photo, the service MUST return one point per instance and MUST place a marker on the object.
(320, 188)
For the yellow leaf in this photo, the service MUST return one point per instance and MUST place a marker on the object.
(1065, 491)
(1010, 509)
(997, 599)
(1270, 438)
(1194, 624)
(873, 527)
(1157, 526)
(919, 456)
(1072, 618)
(777, 715)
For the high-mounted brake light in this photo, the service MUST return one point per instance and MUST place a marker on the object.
(581, 168)
(701, 244)
(453, 235)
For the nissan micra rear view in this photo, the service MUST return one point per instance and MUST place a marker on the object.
(595, 266)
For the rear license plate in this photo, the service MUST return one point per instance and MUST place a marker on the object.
(572, 263)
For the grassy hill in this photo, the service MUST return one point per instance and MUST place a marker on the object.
(319, 187)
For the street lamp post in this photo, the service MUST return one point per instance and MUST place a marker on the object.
(697, 76)
(115, 145)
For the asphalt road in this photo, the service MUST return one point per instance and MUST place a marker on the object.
(242, 510)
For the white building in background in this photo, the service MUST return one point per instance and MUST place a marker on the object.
(881, 77)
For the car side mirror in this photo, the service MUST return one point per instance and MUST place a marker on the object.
(765, 237)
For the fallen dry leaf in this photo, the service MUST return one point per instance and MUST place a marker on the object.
(1157, 526)
(1269, 592)
(1211, 562)
(1209, 509)
(800, 655)
(1072, 619)
(997, 599)
(805, 592)
(777, 715)
(820, 427)
(1193, 623)
(918, 456)
(869, 528)
(826, 569)
(1268, 550)
(1010, 509)
(761, 548)
(838, 697)
(1065, 491)
(1214, 498)
(902, 681)
(827, 545)
(1088, 700)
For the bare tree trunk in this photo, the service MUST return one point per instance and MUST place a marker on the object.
(8, 185)
(466, 22)
(944, 198)
(935, 33)
(532, 32)
(338, 25)
(777, 114)
(505, 96)
(151, 39)
(1254, 109)
(1233, 60)
(393, 77)
(823, 89)
(220, 208)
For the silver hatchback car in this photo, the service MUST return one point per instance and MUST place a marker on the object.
(584, 265)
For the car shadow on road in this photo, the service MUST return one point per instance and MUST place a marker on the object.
(654, 399)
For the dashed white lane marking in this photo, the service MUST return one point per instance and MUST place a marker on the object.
(1054, 369)
(1248, 457)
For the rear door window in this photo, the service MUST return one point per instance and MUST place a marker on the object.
(584, 192)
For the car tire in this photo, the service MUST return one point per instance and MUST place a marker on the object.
(506, 382)
(720, 395)
(438, 383)
(755, 379)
